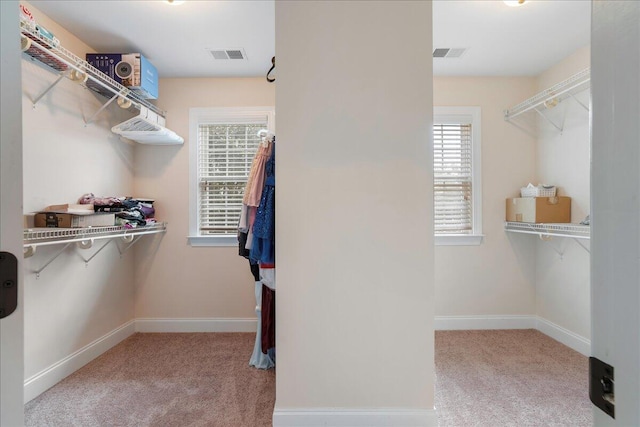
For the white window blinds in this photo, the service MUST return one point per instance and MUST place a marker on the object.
(225, 154)
(453, 177)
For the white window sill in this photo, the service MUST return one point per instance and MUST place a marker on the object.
(201, 241)
(459, 240)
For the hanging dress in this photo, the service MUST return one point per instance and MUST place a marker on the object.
(264, 226)
(255, 182)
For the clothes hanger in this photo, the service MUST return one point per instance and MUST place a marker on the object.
(273, 61)
(267, 137)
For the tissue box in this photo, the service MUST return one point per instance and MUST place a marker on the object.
(129, 69)
(539, 209)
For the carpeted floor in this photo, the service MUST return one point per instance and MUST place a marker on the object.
(483, 378)
(166, 380)
(509, 378)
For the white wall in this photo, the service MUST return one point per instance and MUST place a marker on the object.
(563, 159)
(11, 326)
(498, 275)
(71, 305)
(354, 225)
(615, 174)
(180, 281)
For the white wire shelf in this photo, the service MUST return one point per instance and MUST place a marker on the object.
(576, 231)
(34, 237)
(66, 63)
(84, 239)
(552, 96)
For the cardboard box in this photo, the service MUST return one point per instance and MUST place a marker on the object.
(539, 209)
(27, 220)
(70, 208)
(66, 220)
(129, 69)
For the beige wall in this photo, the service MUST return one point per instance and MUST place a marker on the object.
(498, 275)
(562, 266)
(71, 304)
(180, 281)
(354, 195)
(12, 325)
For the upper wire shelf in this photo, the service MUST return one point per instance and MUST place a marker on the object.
(576, 231)
(549, 98)
(75, 68)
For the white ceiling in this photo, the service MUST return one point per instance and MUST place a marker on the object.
(500, 40)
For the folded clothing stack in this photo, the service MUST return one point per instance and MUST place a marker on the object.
(130, 212)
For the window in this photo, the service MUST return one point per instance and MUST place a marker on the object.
(456, 176)
(222, 144)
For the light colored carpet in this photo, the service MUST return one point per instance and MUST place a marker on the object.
(199, 379)
(516, 378)
(509, 378)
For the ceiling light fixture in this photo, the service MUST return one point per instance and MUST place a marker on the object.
(514, 3)
(175, 2)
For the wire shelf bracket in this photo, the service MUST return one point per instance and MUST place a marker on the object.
(53, 258)
(86, 245)
(132, 239)
(51, 86)
(546, 232)
(548, 99)
(84, 238)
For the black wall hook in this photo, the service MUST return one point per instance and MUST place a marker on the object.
(273, 61)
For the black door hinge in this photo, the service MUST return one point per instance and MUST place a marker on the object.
(601, 386)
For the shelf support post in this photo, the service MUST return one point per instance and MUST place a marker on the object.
(113, 98)
(582, 244)
(86, 260)
(548, 238)
(579, 103)
(51, 260)
(133, 240)
(51, 86)
(548, 119)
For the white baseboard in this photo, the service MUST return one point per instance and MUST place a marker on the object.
(455, 323)
(196, 325)
(50, 376)
(565, 336)
(315, 417)
(558, 333)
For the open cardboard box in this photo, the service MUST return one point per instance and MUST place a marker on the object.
(547, 210)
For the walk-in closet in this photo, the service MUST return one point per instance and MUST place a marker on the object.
(452, 239)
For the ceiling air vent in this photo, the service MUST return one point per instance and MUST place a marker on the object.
(228, 54)
(447, 52)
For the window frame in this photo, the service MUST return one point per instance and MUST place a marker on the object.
(215, 115)
(473, 116)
